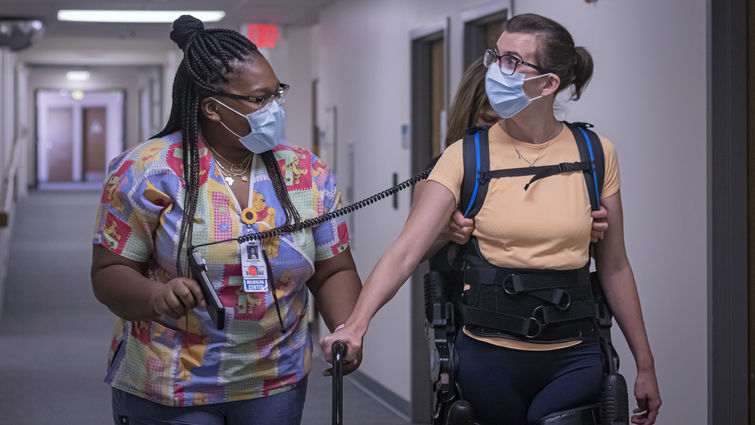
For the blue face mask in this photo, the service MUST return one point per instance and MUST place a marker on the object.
(506, 92)
(266, 125)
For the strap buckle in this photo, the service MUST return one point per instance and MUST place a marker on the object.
(533, 331)
(482, 177)
(565, 302)
(508, 284)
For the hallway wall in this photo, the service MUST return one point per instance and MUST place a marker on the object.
(364, 69)
(648, 96)
(7, 138)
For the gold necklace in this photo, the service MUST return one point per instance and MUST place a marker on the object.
(229, 176)
(237, 170)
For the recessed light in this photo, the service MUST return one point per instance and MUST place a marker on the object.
(137, 16)
(77, 75)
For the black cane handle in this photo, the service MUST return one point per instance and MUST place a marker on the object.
(339, 349)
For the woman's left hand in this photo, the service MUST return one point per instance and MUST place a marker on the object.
(648, 398)
(599, 224)
(353, 339)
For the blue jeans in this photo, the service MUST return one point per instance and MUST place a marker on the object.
(280, 409)
(515, 387)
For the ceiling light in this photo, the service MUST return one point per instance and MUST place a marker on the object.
(137, 16)
(77, 95)
(77, 75)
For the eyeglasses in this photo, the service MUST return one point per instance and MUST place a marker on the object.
(508, 63)
(280, 96)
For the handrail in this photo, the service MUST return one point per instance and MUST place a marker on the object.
(10, 178)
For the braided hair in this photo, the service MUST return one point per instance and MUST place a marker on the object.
(209, 57)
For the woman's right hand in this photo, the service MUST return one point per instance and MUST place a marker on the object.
(353, 339)
(176, 297)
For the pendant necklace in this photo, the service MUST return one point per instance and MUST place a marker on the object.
(532, 163)
(236, 170)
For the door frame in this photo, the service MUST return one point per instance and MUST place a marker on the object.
(471, 18)
(421, 154)
(727, 206)
(420, 39)
(112, 100)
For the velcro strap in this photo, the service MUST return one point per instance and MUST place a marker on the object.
(514, 283)
(557, 297)
(547, 315)
(528, 327)
(562, 298)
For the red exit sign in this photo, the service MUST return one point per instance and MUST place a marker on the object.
(264, 35)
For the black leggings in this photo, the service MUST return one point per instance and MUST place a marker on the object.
(515, 387)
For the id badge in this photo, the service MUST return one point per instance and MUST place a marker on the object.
(253, 268)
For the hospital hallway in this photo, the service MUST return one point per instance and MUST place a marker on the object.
(169, 111)
(54, 334)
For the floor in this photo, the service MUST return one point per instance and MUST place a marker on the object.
(54, 334)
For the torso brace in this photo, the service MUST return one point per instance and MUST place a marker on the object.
(527, 304)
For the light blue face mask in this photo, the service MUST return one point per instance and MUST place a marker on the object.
(266, 125)
(506, 92)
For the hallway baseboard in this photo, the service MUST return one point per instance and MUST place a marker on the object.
(382, 394)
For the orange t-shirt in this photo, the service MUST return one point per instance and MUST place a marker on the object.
(547, 226)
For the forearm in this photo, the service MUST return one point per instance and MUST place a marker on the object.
(390, 273)
(395, 266)
(621, 292)
(337, 296)
(125, 291)
(442, 240)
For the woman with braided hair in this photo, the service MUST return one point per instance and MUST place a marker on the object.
(218, 171)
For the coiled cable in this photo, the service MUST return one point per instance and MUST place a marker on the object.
(291, 228)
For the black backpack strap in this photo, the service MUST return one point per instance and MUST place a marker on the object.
(590, 150)
(476, 156)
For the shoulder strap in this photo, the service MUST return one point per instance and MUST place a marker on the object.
(591, 150)
(476, 160)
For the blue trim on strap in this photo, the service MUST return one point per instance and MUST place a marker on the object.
(592, 160)
(477, 172)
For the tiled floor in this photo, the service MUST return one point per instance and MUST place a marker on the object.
(54, 334)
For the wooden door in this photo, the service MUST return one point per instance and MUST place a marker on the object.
(60, 144)
(437, 102)
(95, 140)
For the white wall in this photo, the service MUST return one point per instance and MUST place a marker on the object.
(7, 137)
(292, 63)
(648, 95)
(8, 99)
(363, 67)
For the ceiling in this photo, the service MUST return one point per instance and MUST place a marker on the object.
(238, 12)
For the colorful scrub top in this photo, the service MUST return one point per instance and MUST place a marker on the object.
(188, 361)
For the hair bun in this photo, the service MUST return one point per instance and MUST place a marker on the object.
(184, 28)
